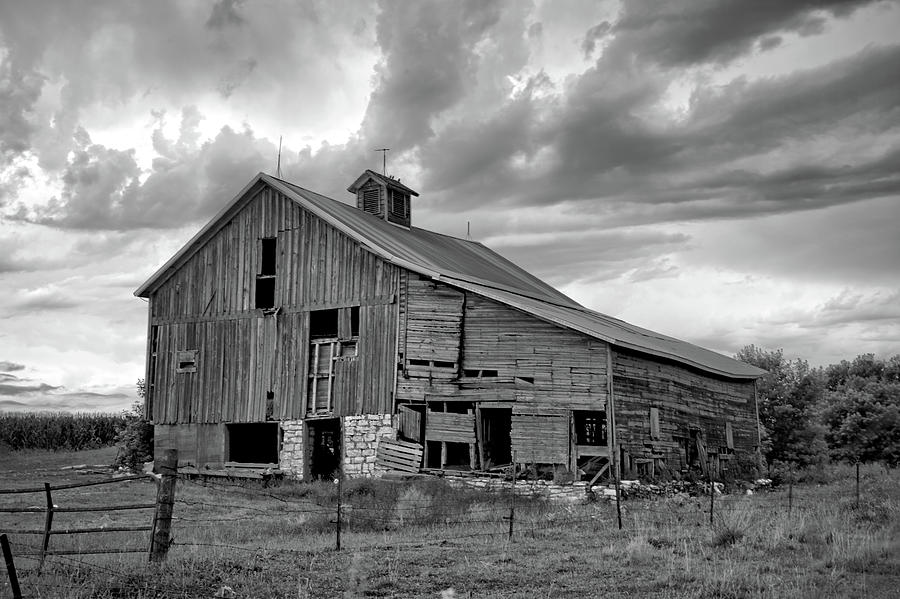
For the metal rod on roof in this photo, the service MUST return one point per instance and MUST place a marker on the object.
(278, 164)
(384, 152)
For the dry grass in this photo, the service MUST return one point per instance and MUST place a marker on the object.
(423, 540)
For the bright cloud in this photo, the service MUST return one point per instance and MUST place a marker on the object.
(724, 172)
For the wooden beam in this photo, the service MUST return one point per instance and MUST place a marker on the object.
(479, 436)
(611, 414)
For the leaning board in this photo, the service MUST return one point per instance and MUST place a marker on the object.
(398, 455)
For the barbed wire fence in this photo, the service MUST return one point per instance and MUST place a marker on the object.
(209, 515)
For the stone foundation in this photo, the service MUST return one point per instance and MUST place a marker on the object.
(292, 459)
(360, 439)
(576, 492)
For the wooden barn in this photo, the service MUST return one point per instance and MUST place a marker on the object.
(297, 333)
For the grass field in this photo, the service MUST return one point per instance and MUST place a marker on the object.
(423, 539)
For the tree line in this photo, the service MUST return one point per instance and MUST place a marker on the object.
(849, 411)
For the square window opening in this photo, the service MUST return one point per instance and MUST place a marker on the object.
(252, 443)
(590, 428)
(186, 361)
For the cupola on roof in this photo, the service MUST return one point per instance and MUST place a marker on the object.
(383, 196)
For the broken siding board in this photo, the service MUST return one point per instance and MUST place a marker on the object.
(449, 427)
(433, 326)
(346, 372)
(398, 455)
(410, 423)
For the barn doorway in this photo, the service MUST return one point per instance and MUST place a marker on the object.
(324, 442)
(495, 426)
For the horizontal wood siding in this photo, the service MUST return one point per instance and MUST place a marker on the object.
(434, 314)
(568, 369)
(683, 399)
(448, 426)
(540, 438)
(245, 353)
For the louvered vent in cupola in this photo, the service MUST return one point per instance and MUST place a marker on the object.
(384, 197)
(370, 197)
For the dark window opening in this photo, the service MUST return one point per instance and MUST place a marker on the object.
(150, 383)
(270, 405)
(414, 362)
(457, 455)
(252, 443)
(323, 324)
(354, 321)
(495, 427)
(482, 373)
(439, 364)
(267, 263)
(186, 361)
(525, 379)
(324, 438)
(590, 428)
(265, 293)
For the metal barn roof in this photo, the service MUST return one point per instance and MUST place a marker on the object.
(472, 266)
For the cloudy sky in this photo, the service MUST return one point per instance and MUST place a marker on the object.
(727, 172)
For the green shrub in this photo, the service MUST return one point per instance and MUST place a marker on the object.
(134, 437)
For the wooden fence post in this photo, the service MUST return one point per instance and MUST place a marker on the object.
(48, 522)
(791, 491)
(165, 501)
(340, 498)
(712, 492)
(617, 463)
(512, 500)
(10, 567)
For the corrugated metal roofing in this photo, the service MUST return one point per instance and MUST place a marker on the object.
(472, 266)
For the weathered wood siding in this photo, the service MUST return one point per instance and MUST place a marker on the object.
(316, 265)
(540, 435)
(244, 353)
(530, 361)
(434, 314)
(684, 398)
(197, 444)
(568, 368)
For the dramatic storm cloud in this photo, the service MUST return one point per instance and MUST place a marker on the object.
(722, 171)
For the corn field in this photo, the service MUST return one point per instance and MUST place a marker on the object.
(58, 430)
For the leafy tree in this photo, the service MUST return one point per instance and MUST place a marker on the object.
(862, 413)
(788, 397)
